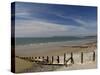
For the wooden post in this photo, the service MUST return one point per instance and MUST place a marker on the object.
(64, 57)
(57, 59)
(23, 57)
(43, 57)
(93, 56)
(39, 57)
(82, 57)
(35, 57)
(47, 59)
(52, 59)
(72, 60)
(32, 57)
(26, 58)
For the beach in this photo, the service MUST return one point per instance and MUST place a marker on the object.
(53, 48)
(38, 51)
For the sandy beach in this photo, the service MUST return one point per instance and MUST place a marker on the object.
(27, 65)
(54, 48)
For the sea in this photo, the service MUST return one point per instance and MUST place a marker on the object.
(40, 40)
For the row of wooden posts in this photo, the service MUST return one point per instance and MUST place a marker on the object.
(58, 58)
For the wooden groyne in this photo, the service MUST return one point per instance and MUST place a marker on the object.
(61, 59)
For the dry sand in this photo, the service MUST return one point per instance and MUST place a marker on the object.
(27, 66)
(91, 65)
(21, 65)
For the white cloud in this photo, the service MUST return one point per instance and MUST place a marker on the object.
(86, 24)
(36, 28)
(31, 28)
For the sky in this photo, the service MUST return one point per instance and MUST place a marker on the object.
(47, 20)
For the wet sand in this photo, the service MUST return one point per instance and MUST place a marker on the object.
(53, 49)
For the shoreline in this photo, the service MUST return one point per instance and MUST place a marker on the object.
(54, 49)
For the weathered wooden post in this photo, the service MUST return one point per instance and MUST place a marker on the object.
(23, 57)
(72, 60)
(35, 57)
(31, 57)
(52, 59)
(64, 58)
(93, 56)
(39, 57)
(57, 59)
(81, 57)
(47, 59)
(43, 57)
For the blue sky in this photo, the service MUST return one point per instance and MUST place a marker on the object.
(47, 20)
